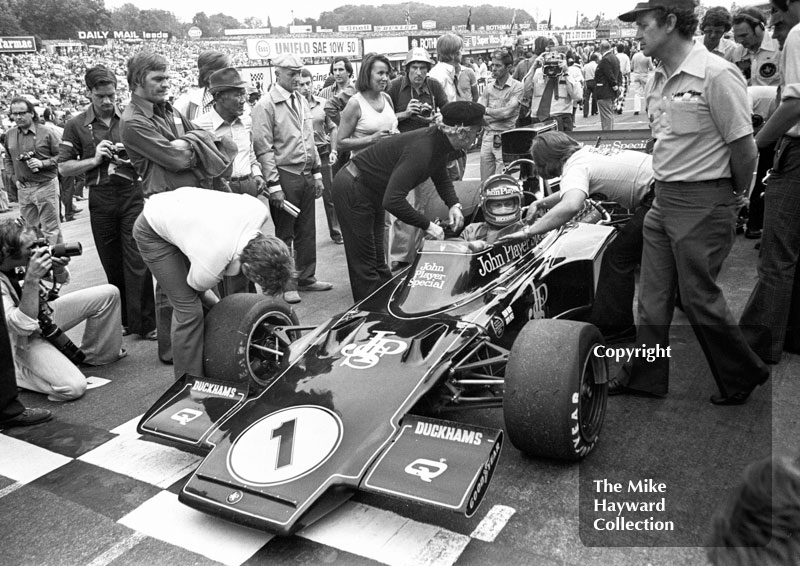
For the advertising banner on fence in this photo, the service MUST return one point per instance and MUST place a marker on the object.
(352, 28)
(262, 77)
(17, 44)
(425, 41)
(117, 34)
(302, 47)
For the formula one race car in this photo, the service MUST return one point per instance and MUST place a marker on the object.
(294, 420)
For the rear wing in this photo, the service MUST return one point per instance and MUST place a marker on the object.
(634, 139)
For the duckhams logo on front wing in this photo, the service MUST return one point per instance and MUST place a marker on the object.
(365, 356)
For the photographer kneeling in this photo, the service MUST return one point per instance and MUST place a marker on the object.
(190, 238)
(47, 365)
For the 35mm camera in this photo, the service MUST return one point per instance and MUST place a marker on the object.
(70, 249)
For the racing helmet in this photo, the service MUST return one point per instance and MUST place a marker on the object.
(418, 55)
(501, 200)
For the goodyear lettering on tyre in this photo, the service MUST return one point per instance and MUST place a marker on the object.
(578, 444)
(482, 483)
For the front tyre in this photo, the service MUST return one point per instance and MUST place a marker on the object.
(556, 389)
(245, 341)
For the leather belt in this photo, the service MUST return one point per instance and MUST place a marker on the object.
(242, 178)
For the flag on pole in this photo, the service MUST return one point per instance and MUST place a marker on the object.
(550, 20)
(469, 17)
(513, 21)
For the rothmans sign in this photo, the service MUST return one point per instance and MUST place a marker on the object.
(123, 34)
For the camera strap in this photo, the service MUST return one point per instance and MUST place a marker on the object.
(543, 112)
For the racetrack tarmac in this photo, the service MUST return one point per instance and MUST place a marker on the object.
(85, 489)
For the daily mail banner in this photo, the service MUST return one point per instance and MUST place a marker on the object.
(104, 34)
(17, 44)
(302, 47)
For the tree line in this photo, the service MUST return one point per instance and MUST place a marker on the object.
(63, 19)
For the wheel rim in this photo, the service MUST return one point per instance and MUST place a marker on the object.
(267, 346)
(592, 402)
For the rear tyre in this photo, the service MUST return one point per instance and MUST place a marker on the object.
(244, 341)
(556, 390)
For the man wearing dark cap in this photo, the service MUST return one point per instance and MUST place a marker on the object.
(757, 54)
(283, 138)
(227, 118)
(703, 161)
(199, 100)
(379, 179)
(92, 146)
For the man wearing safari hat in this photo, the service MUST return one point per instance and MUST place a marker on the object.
(703, 162)
(415, 95)
(379, 179)
(416, 98)
(283, 138)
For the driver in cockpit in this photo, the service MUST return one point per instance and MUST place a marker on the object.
(501, 202)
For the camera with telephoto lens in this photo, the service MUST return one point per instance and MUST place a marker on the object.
(551, 64)
(70, 249)
(52, 333)
(118, 151)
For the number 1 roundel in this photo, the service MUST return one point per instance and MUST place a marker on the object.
(285, 445)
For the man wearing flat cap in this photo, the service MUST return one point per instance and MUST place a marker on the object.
(283, 138)
(227, 118)
(703, 162)
(379, 179)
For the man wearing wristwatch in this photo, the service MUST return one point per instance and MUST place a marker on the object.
(283, 138)
(31, 150)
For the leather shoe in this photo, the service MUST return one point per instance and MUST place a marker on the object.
(338, 240)
(739, 398)
(76, 210)
(152, 335)
(28, 417)
(617, 388)
(315, 286)
(291, 297)
(752, 234)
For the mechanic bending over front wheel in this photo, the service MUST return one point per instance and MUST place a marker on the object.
(620, 175)
(190, 238)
